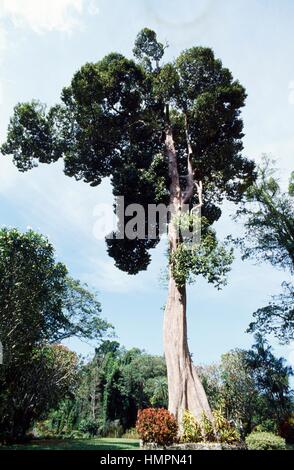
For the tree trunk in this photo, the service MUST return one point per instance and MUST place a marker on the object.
(185, 391)
(184, 387)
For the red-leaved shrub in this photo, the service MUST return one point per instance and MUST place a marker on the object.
(157, 425)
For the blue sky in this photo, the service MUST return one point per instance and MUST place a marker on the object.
(42, 43)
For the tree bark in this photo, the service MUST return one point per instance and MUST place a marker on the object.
(185, 390)
(184, 386)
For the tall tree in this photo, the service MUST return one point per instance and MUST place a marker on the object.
(165, 133)
(269, 236)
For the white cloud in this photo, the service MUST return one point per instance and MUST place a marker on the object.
(43, 15)
(46, 187)
(103, 275)
(93, 8)
(3, 40)
(107, 278)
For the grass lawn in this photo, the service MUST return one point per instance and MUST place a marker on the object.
(83, 444)
(77, 444)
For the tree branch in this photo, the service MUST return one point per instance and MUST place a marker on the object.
(175, 189)
(188, 193)
(199, 188)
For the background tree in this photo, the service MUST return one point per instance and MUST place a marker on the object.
(29, 392)
(110, 390)
(269, 236)
(39, 305)
(239, 391)
(277, 317)
(252, 387)
(39, 302)
(164, 134)
(271, 376)
(231, 388)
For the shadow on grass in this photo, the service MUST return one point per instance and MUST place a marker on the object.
(77, 444)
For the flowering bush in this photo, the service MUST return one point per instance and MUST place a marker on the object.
(157, 425)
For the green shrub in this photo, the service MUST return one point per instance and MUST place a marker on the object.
(226, 432)
(131, 433)
(43, 429)
(265, 441)
(207, 428)
(191, 428)
(88, 426)
(157, 425)
(268, 425)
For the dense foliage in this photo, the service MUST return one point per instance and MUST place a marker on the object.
(111, 389)
(204, 430)
(225, 430)
(248, 390)
(286, 429)
(112, 122)
(252, 387)
(191, 429)
(39, 302)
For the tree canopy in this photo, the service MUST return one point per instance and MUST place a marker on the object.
(112, 123)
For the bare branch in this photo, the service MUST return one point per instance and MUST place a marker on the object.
(188, 193)
(199, 188)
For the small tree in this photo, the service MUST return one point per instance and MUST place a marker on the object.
(164, 133)
(271, 376)
(239, 394)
